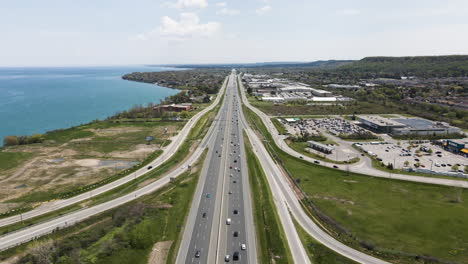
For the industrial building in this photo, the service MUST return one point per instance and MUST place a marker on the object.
(406, 126)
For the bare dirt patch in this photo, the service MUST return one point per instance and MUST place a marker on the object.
(159, 252)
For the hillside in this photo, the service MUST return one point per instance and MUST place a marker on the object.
(421, 66)
(313, 64)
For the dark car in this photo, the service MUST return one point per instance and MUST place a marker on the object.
(235, 161)
(334, 166)
(150, 167)
(236, 234)
(204, 215)
(197, 254)
(235, 211)
(235, 256)
(362, 154)
(234, 181)
(316, 162)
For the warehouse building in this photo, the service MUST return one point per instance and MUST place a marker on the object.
(379, 124)
(406, 126)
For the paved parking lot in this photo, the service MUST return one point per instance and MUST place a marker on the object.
(439, 160)
(333, 125)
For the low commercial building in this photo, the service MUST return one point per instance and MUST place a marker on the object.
(406, 126)
(343, 86)
(322, 99)
(320, 147)
(273, 99)
(379, 124)
(421, 126)
(456, 146)
(321, 93)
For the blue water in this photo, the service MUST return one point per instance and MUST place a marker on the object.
(37, 100)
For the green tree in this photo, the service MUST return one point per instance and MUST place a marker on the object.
(406, 163)
(10, 141)
(455, 167)
(184, 114)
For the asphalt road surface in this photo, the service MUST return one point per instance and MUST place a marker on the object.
(363, 167)
(168, 151)
(287, 204)
(220, 220)
(26, 234)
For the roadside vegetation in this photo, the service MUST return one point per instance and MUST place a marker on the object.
(193, 139)
(127, 234)
(317, 252)
(271, 240)
(301, 146)
(79, 159)
(423, 223)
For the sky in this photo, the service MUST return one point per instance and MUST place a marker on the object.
(131, 32)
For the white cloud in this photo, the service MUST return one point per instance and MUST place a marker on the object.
(228, 11)
(349, 12)
(263, 10)
(187, 27)
(189, 4)
(221, 4)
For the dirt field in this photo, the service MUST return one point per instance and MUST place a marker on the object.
(76, 157)
(159, 253)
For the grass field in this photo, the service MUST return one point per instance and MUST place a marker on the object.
(271, 240)
(10, 160)
(123, 235)
(318, 253)
(402, 221)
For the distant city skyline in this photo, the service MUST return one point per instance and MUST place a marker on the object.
(122, 32)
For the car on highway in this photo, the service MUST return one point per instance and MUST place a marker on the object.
(228, 221)
(197, 254)
(234, 181)
(227, 258)
(236, 211)
(150, 167)
(236, 234)
(316, 162)
(243, 247)
(208, 195)
(230, 192)
(334, 166)
(235, 256)
(204, 215)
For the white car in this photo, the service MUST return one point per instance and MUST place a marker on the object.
(243, 247)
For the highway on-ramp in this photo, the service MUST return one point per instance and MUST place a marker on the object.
(287, 204)
(168, 151)
(26, 234)
(363, 167)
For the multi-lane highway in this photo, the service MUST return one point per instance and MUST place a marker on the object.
(220, 222)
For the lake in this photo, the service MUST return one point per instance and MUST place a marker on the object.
(37, 100)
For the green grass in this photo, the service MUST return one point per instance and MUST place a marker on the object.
(123, 234)
(280, 127)
(397, 220)
(271, 240)
(300, 146)
(317, 252)
(10, 160)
